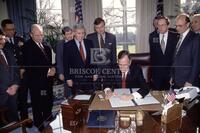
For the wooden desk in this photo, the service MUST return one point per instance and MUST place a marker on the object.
(151, 124)
(98, 104)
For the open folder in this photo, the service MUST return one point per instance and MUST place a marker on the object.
(115, 101)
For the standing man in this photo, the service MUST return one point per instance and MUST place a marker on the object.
(196, 23)
(39, 70)
(186, 61)
(15, 43)
(104, 54)
(162, 47)
(77, 57)
(67, 36)
(9, 80)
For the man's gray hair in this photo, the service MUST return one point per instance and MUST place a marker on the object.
(79, 26)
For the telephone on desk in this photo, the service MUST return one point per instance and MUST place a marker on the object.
(189, 92)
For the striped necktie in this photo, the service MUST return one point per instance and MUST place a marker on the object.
(178, 44)
(81, 52)
(3, 60)
(123, 80)
(162, 44)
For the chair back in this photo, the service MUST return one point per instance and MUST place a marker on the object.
(143, 60)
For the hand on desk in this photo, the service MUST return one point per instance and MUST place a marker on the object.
(108, 94)
(126, 97)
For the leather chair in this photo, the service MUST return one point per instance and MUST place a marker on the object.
(143, 59)
(13, 125)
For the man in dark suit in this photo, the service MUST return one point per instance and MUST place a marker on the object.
(104, 54)
(39, 71)
(9, 80)
(128, 77)
(15, 43)
(186, 62)
(67, 36)
(162, 47)
(76, 59)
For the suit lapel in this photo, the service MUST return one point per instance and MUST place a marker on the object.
(158, 42)
(96, 40)
(168, 44)
(106, 39)
(184, 42)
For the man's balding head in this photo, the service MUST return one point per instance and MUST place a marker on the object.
(196, 23)
(182, 23)
(37, 33)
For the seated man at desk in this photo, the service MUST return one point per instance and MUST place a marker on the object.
(129, 76)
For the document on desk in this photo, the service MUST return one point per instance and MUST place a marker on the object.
(115, 102)
(149, 99)
(82, 97)
(120, 91)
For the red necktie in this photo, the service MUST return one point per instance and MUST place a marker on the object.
(101, 41)
(3, 60)
(123, 80)
(81, 52)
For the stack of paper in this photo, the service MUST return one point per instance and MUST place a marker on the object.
(82, 97)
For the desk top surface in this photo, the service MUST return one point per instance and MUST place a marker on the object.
(98, 104)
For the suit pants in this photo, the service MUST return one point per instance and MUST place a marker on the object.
(161, 83)
(42, 103)
(11, 103)
(22, 99)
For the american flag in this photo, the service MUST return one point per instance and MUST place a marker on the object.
(78, 11)
(171, 95)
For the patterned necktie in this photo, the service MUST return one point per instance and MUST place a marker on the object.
(81, 52)
(123, 80)
(178, 44)
(3, 60)
(162, 44)
(43, 51)
(101, 41)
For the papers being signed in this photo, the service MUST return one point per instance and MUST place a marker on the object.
(115, 101)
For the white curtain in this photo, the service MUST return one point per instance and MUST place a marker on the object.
(91, 10)
(145, 12)
(3, 10)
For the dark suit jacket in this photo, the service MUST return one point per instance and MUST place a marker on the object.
(110, 44)
(186, 62)
(134, 79)
(74, 67)
(16, 49)
(161, 63)
(59, 57)
(36, 63)
(11, 76)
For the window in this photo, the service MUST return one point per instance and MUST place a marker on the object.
(120, 18)
(190, 7)
(49, 15)
(49, 11)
